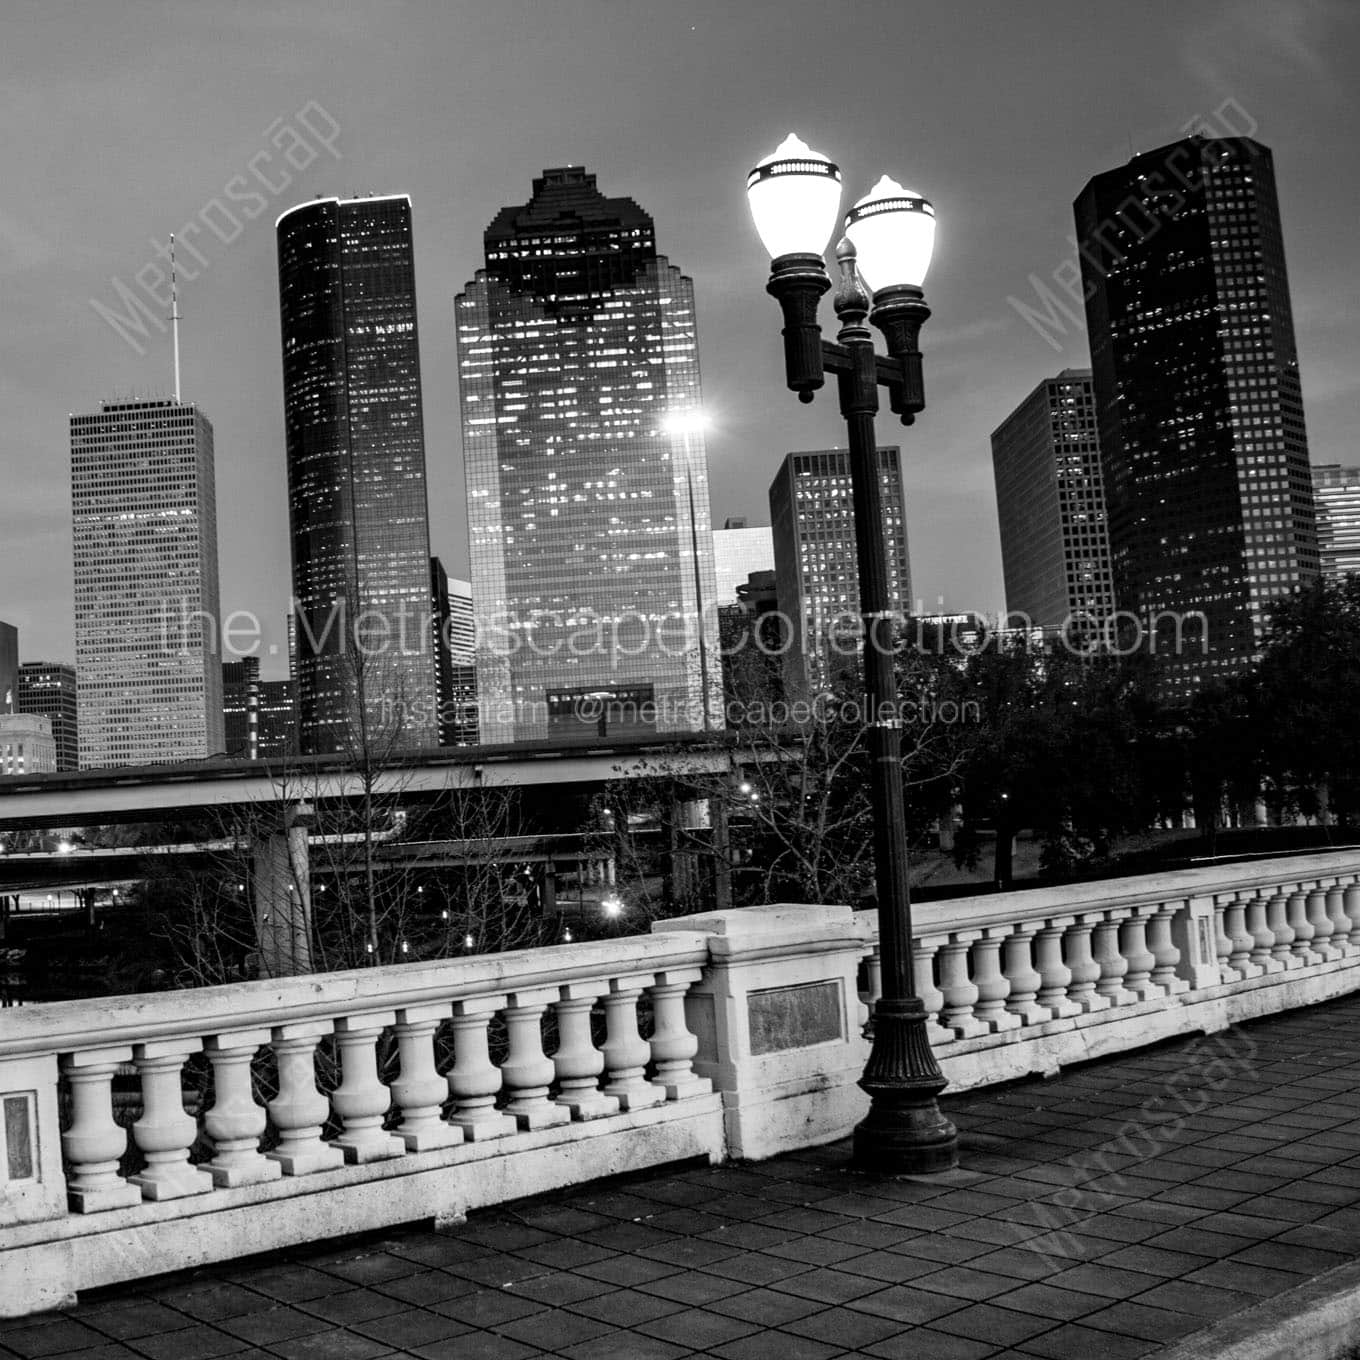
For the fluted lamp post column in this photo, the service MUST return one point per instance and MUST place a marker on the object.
(889, 235)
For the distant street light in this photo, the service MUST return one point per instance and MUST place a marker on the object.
(795, 196)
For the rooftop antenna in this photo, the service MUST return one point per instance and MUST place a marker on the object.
(174, 312)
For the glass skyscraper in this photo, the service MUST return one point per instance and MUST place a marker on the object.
(143, 499)
(48, 688)
(816, 560)
(588, 510)
(1198, 402)
(1050, 502)
(356, 474)
(1336, 491)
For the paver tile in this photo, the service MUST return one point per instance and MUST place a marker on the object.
(768, 1307)
(696, 1328)
(1000, 1326)
(1051, 1301)
(1131, 1318)
(1076, 1342)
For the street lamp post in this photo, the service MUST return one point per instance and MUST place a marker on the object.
(889, 235)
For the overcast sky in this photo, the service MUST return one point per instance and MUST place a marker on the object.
(122, 121)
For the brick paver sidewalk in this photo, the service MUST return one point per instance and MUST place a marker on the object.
(1100, 1215)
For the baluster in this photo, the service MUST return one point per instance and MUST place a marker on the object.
(236, 1119)
(1263, 938)
(1322, 923)
(1351, 902)
(923, 954)
(626, 1052)
(673, 1046)
(577, 1062)
(165, 1132)
(1277, 913)
(361, 1100)
(94, 1143)
(1297, 909)
(1055, 977)
(1113, 965)
(1022, 975)
(299, 1111)
(1164, 951)
(960, 995)
(1239, 937)
(1141, 960)
(1082, 964)
(873, 978)
(474, 1079)
(420, 1092)
(991, 983)
(1336, 913)
(527, 1071)
(873, 972)
(1223, 945)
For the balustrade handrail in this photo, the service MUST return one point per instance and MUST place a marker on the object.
(931, 919)
(114, 1021)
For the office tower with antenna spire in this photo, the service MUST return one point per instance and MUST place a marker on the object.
(143, 501)
(147, 608)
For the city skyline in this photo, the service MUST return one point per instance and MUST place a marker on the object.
(982, 353)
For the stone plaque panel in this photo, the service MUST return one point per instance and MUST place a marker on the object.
(783, 1018)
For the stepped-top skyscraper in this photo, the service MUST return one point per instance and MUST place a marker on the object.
(592, 557)
(1198, 401)
(356, 474)
(144, 506)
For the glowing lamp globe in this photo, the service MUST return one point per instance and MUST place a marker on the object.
(795, 196)
(893, 232)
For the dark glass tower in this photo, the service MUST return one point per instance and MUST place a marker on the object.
(1198, 402)
(592, 556)
(48, 689)
(816, 560)
(356, 474)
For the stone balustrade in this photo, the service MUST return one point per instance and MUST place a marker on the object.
(1025, 982)
(292, 1109)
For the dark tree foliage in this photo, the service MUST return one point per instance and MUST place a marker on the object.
(1303, 701)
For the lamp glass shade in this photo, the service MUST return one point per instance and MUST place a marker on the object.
(893, 232)
(795, 195)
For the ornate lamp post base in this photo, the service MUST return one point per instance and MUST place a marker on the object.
(905, 1133)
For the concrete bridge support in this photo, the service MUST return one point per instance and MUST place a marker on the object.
(282, 892)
